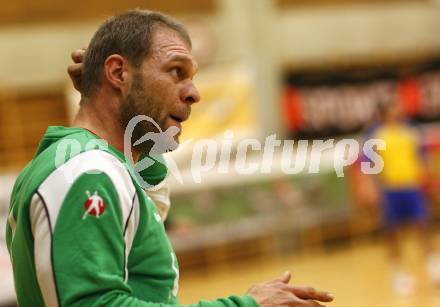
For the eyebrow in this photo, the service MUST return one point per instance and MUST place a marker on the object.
(180, 57)
(185, 58)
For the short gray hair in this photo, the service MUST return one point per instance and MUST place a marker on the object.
(130, 35)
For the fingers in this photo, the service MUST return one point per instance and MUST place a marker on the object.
(309, 293)
(74, 69)
(312, 304)
(278, 292)
(298, 302)
(78, 55)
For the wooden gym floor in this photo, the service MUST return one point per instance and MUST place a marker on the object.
(357, 274)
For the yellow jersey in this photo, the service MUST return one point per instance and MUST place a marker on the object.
(402, 162)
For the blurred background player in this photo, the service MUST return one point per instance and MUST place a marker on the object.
(401, 182)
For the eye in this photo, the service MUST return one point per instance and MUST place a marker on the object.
(177, 72)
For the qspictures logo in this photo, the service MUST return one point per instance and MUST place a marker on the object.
(245, 157)
(162, 142)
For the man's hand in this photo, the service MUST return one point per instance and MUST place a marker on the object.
(75, 69)
(278, 293)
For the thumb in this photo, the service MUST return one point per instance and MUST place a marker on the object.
(285, 278)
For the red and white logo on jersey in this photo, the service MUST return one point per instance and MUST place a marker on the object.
(94, 205)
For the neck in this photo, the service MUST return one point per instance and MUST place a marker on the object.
(99, 118)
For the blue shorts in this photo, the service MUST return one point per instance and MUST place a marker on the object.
(402, 206)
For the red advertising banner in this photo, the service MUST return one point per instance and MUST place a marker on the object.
(331, 108)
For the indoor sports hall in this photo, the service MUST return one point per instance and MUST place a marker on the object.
(315, 147)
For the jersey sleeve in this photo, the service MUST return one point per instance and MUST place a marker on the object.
(232, 301)
(87, 254)
(88, 246)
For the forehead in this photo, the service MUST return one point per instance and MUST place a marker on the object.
(168, 44)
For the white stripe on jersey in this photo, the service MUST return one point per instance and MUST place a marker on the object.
(41, 230)
(130, 231)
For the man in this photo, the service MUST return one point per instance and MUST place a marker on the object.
(82, 232)
(401, 182)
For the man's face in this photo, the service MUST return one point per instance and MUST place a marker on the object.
(394, 113)
(163, 86)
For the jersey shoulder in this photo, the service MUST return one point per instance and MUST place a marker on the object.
(97, 162)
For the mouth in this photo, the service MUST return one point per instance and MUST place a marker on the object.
(180, 117)
(177, 118)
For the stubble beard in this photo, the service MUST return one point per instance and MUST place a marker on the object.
(140, 102)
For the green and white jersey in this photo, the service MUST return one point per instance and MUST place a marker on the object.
(82, 232)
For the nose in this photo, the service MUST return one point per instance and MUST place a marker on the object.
(190, 94)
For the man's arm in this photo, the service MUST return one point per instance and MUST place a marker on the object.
(87, 256)
(87, 262)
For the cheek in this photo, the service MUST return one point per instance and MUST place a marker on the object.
(165, 93)
(162, 83)
(168, 95)
(167, 85)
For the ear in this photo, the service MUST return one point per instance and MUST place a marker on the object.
(117, 73)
